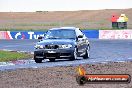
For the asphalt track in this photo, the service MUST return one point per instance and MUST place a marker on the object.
(102, 51)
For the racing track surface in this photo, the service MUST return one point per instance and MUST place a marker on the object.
(102, 51)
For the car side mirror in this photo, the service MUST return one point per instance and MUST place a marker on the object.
(40, 37)
(80, 36)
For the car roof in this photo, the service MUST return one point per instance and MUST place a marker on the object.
(67, 28)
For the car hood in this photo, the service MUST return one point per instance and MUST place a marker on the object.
(56, 41)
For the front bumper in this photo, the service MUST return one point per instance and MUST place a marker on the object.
(54, 53)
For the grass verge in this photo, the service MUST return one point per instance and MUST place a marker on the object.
(9, 56)
(20, 29)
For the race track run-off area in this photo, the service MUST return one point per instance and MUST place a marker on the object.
(101, 51)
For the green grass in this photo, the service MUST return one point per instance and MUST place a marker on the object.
(36, 26)
(47, 25)
(9, 56)
(20, 29)
(47, 29)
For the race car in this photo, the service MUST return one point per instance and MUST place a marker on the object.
(64, 42)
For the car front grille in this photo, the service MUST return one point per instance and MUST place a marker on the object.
(51, 46)
(51, 55)
(57, 55)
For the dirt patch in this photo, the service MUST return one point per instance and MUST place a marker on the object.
(62, 77)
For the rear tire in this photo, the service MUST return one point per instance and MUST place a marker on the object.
(87, 55)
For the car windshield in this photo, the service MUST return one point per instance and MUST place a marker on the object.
(60, 34)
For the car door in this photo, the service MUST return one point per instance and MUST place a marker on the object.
(81, 42)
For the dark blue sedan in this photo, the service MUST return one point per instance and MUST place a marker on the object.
(64, 42)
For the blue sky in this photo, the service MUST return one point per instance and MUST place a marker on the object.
(61, 5)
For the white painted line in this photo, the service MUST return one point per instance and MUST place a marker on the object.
(5, 64)
(31, 52)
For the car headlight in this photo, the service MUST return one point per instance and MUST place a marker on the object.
(39, 46)
(65, 46)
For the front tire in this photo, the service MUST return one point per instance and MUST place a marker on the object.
(52, 60)
(74, 55)
(37, 60)
(87, 54)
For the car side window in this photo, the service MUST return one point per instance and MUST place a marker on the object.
(78, 32)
